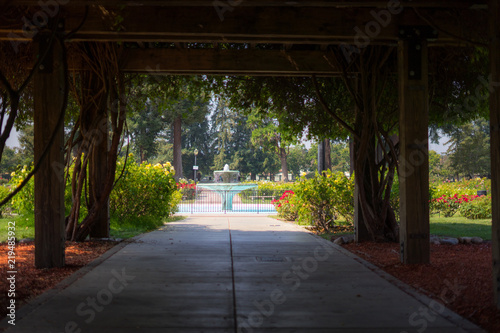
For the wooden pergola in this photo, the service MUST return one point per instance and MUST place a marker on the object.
(193, 35)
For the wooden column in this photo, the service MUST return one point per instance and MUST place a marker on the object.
(98, 168)
(414, 156)
(494, 10)
(49, 180)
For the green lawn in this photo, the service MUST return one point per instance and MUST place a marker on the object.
(456, 226)
(25, 227)
(459, 226)
(140, 226)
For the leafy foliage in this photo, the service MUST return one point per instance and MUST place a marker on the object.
(24, 201)
(469, 149)
(145, 190)
(187, 189)
(320, 200)
(479, 208)
(286, 209)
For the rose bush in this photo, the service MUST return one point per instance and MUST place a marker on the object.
(286, 207)
(187, 189)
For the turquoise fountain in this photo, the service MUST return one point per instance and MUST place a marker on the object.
(227, 186)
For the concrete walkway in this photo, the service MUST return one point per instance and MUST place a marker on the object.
(234, 274)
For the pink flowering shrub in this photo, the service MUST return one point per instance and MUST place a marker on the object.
(448, 206)
(188, 190)
(285, 206)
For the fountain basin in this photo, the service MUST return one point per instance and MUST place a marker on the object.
(227, 191)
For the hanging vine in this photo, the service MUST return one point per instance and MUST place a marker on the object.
(376, 154)
(99, 90)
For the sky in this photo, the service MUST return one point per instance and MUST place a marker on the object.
(12, 140)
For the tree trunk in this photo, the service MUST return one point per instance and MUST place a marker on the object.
(284, 165)
(178, 147)
(142, 154)
(378, 216)
(94, 97)
(328, 155)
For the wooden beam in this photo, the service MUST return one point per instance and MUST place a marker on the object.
(227, 62)
(495, 144)
(313, 25)
(260, 3)
(49, 180)
(414, 156)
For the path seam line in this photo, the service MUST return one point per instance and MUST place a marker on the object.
(235, 312)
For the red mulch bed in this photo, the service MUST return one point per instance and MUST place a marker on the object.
(460, 276)
(31, 282)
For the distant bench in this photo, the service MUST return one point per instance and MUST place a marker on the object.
(263, 197)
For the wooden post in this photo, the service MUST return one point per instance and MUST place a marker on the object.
(49, 180)
(97, 173)
(494, 10)
(414, 156)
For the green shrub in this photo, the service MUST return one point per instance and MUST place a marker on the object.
(267, 188)
(448, 206)
(320, 200)
(394, 197)
(477, 208)
(4, 192)
(24, 201)
(187, 188)
(463, 187)
(145, 190)
(286, 206)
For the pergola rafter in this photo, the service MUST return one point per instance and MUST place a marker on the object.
(297, 25)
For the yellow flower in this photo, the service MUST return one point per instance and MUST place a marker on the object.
(130, 155)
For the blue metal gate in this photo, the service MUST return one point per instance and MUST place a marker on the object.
(230, 201)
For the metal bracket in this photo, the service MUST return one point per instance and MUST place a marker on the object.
(415, 35)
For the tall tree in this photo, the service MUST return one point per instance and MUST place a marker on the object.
(26, 143)
(469, 149)
(297, 160)
(179, 101)
(267, 134)
(145, 127)
(340, 156)
(10, 161)
(224, 120)
(184, 112)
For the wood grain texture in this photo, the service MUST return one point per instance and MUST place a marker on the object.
(495, 145)
(49, 180)
(414, 159)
